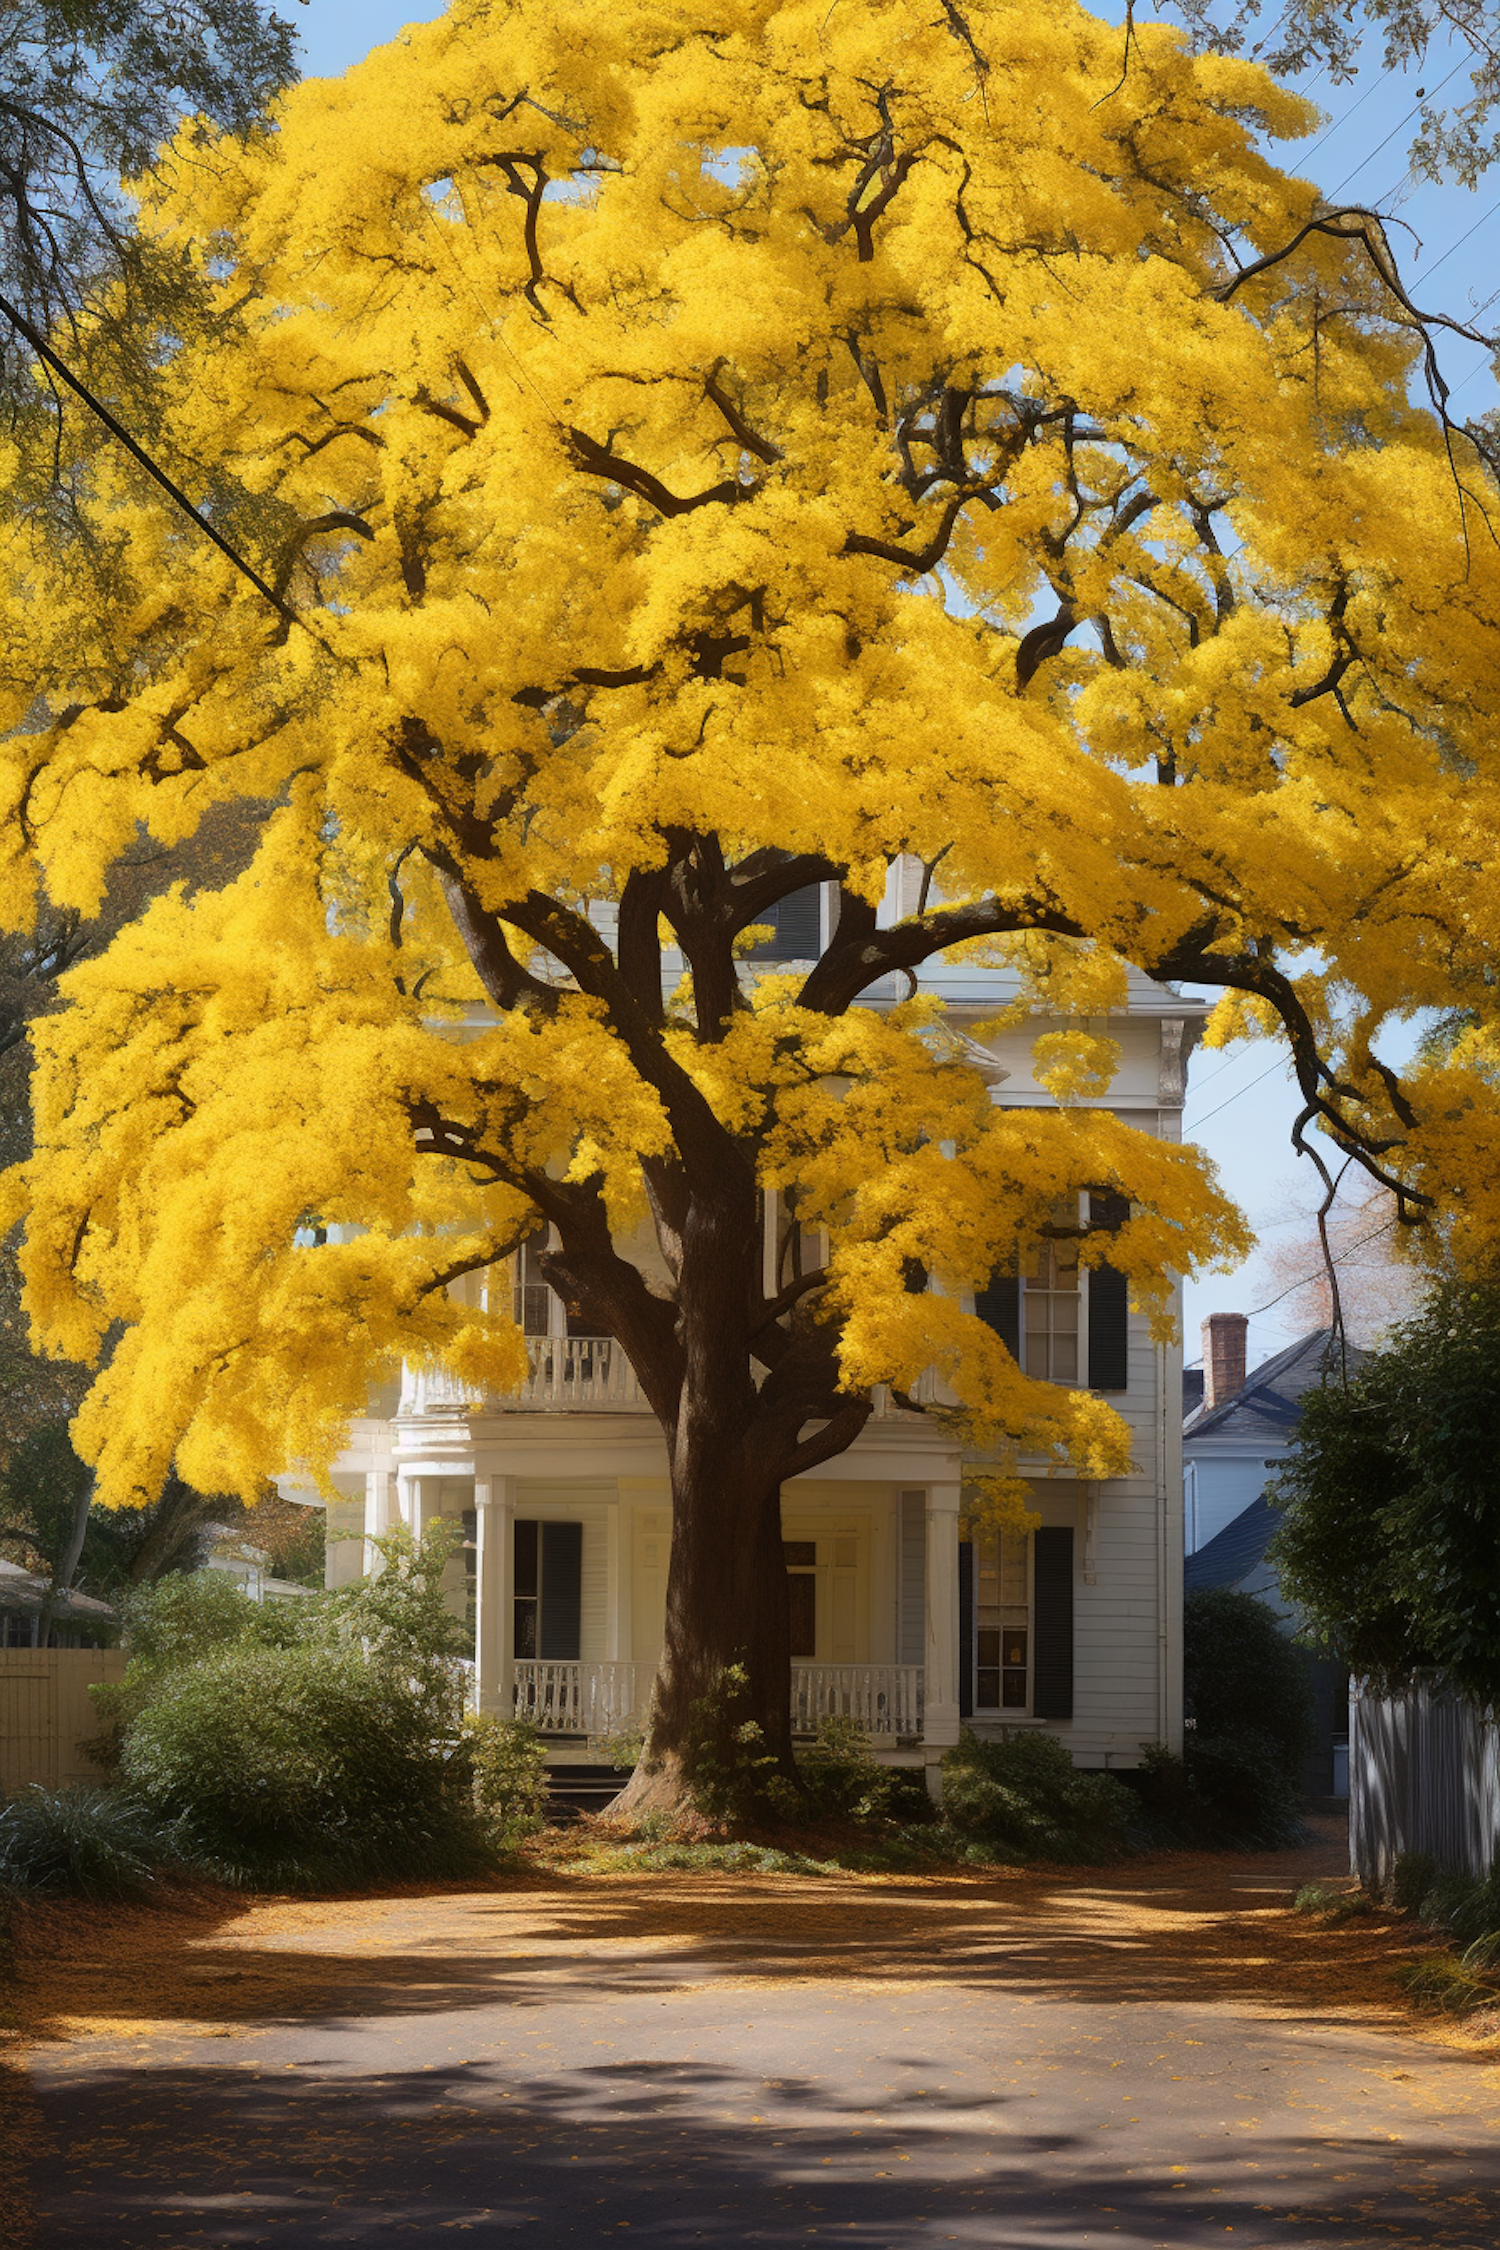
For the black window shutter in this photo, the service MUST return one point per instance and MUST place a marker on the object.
(1109, 1330)
(1052, 1623)
(965, 1629)
(562, 1591)
(998, 1305)
(1109, 1305)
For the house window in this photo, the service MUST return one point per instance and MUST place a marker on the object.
(1002, 1623)
(532, 1311)
(1049, 1309)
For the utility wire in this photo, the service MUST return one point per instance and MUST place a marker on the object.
(138, 453)
(1319, 1271)
(1390, 136)
(1197, 1121)
(1463, 238)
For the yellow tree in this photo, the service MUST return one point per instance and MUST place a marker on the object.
(696, 456)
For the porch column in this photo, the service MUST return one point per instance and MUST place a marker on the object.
(940, 1653)
(380, 1510)
(419, 1505)
(494, 1572)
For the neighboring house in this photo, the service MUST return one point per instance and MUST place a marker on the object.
(897, 1620)
(249, 1566)
(1236, 1431)
(78, 1620)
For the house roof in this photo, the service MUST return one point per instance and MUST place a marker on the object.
(23, 1589)
(1268, 1403)
(1231, 1555)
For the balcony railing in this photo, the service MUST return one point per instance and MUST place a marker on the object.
(567, 1374)
(563, 1698)
(581, 1374)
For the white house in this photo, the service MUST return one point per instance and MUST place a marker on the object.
(897, 1621)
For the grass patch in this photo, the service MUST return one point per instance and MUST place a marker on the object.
(1334, 1905)
(82, 1843)
(687, 1843)
(1444, 1983)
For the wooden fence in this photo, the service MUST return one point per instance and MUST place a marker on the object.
(1424, 1776)
(46, 1714)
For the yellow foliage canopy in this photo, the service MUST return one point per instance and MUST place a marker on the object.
(699, 458)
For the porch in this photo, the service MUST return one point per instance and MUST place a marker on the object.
(592, 1701)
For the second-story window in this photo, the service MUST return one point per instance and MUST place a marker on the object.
(532, 1309)
(1049, 1307)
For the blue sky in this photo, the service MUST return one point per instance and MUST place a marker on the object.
(1240, 1106)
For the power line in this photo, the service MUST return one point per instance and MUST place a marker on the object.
(1463, 238)
(1197, 1121)
(1390, 136)
(1319, 1271)
(1226, 1065)
(138, 453)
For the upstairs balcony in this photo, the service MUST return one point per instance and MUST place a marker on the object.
(571, 1375)
(568, 1374)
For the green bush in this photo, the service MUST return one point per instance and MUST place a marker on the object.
(1237, 1783)
(1465, 1908)
(839, 1778)
(1022, 1796)
(1228, 1792)
(1412, 1878)
(733, 1777)
(305, 1765)
(1242, 1676)
(82, 1843)
(509, 1760)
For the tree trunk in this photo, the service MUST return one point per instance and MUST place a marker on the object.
(726, 1581)
(726, 1606)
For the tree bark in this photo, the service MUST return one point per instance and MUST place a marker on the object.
(726, 1606)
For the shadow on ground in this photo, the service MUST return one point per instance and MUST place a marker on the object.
(1200, 1928)
(684, 2153)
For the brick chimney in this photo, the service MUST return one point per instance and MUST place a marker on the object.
(1224, 1335)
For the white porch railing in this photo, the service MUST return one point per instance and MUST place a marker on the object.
(567, 1373)
(884, 1700)
(564, 1698)
(558, 1697)
(589, 1374)
(573, 1371)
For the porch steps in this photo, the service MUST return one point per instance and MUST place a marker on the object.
(574, 1789)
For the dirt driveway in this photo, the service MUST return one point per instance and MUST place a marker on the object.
(1163, 2055)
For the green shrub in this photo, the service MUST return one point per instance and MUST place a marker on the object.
(1023, 1795)
(509, 1759)
(83, 1843)
(1236, 1785)
(1243, 1677)
(1334, 1906)
(839, 1778)
(306, 1765)
(1411, 1879)
(1446, 1983)
(1243, 1793)
(732, 1775)
(1227, 1792)
(1465, 1907)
